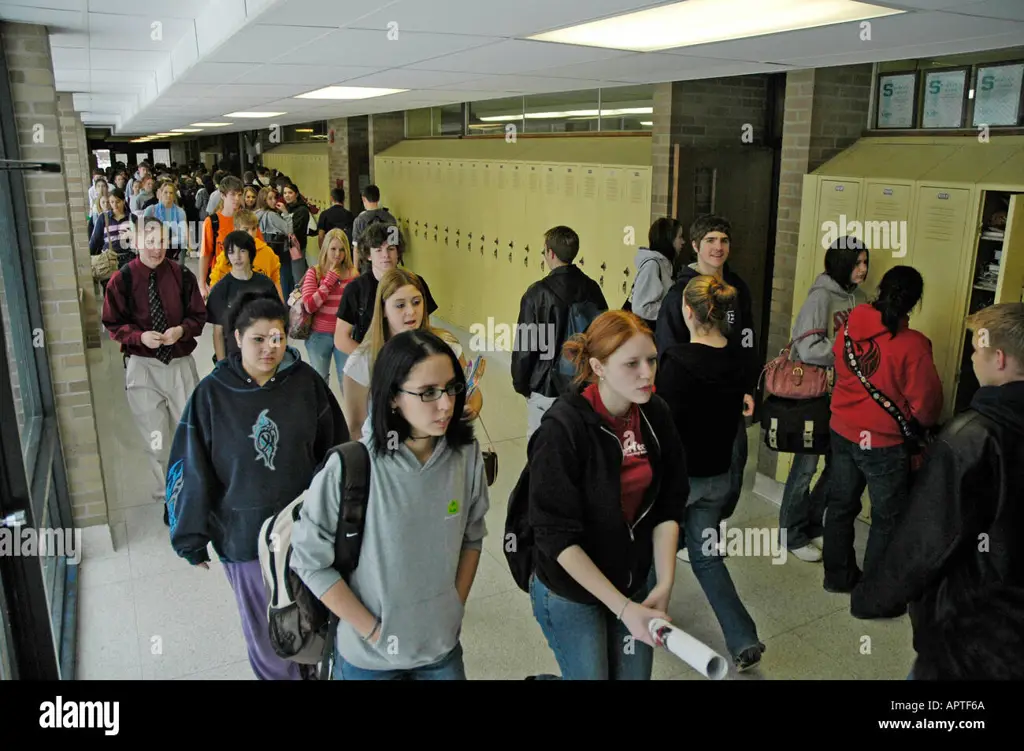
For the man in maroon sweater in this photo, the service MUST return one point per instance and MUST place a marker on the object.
(154, 309)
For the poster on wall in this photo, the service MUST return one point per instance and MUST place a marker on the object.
(997, 95)
(944, 99)
(896, 100)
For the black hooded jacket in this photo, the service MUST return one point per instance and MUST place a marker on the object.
(543, 317)
(671, 328)
(964, 526)
(575, 463)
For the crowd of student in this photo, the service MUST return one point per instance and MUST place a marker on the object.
(637, 436)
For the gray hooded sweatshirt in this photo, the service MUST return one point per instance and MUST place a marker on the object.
(827, 307)
(419, 520)
(653, 279)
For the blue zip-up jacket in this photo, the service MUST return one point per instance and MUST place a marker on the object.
(243, 452)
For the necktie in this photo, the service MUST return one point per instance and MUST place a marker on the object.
(156, 312)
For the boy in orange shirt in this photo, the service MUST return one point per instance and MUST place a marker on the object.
(211, 252)
(265, 262)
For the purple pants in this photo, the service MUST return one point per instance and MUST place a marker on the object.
(251, 593)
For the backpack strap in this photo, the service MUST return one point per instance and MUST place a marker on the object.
(906, 426)
(348, 537)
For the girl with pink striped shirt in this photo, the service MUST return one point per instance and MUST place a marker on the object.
(322, 288)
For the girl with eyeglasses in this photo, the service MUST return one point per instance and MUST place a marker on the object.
(400, 614)
(249, 441)
(400, 306)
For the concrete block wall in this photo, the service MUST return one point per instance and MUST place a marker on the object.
(35, 102)
(826, 112)
(702, 113)
(385, 130)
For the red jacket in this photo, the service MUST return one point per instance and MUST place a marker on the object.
(900, 366)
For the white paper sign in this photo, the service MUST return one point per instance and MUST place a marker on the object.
(944, 99)
(896, 101)
(997, 96)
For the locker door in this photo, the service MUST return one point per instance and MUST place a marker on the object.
(535, 226)
(884, 230)
(943, 222)
(623, 238)
(470, 267)
(1011, 277)
(510, 205)
(636, 206)
(838, 206)
(554, 211)
(488, 292)
(516, 235)
(593, 229)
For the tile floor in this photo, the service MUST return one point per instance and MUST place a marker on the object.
(146, 614)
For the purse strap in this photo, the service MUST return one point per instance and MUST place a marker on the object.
(804, 336)
(881, 399)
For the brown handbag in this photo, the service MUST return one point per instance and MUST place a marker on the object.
(791, 379)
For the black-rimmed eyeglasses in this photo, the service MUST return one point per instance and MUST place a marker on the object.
(433, 394)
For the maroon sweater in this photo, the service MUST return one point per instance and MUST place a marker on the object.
(127, 329)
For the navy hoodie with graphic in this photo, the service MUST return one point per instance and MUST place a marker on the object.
(243, 452)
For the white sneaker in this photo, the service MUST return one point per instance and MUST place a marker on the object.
(819, 543)
(683, 555)
(807, 553)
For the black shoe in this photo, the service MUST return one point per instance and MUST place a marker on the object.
(749, 658)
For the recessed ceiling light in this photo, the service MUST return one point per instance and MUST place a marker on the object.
(255, 114)
(186, 130)
(347, 92)
(705, 21)
(209, 125)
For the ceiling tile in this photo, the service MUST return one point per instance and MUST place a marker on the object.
(321, 14)
(373, 48)
(259, 43)
(516, 56)
(313, 76)
(409, 78)
(175, 9)
(512, 19)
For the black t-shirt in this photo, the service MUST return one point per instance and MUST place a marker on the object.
(223, 296)
(336, 217)
(356, 305)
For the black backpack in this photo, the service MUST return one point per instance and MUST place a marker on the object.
(302, 629)
(519, 540)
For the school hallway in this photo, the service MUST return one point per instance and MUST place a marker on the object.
(144, 613)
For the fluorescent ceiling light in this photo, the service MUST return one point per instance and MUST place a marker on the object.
(168, 135)
(186, 130)
(347, 92)
(255, 114)
(570, 113)
(705, 21)
(303, 130)
(209, 125)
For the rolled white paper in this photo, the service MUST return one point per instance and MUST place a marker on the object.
(694, 653)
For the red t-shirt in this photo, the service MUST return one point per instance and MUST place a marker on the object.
(636, 467)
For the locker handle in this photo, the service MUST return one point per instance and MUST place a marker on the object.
(510, 258)
(495, 252)
(511, 244)
(470, 235)
(625, 272)
(604, 267)
(496, 241)
(445, 229)
(482, 238)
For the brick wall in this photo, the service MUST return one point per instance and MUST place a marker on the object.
(385, 131)
(826, 112)
(358, 158)
(701, 113)
(76, 180)
(27, 51)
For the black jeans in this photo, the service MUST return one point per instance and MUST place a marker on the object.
(886, 473)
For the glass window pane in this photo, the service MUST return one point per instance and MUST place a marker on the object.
(627, 108)
(492, 116)
(21, 356)
(448, 120)
(562, 112)
(417, 123)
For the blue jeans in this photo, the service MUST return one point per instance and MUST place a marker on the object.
(736, 468)
(589, 641)
(710, 499)
(448, 668)
(802, 508)
(886, 473)
(319, 347)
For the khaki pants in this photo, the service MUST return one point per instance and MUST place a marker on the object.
(157, 395)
